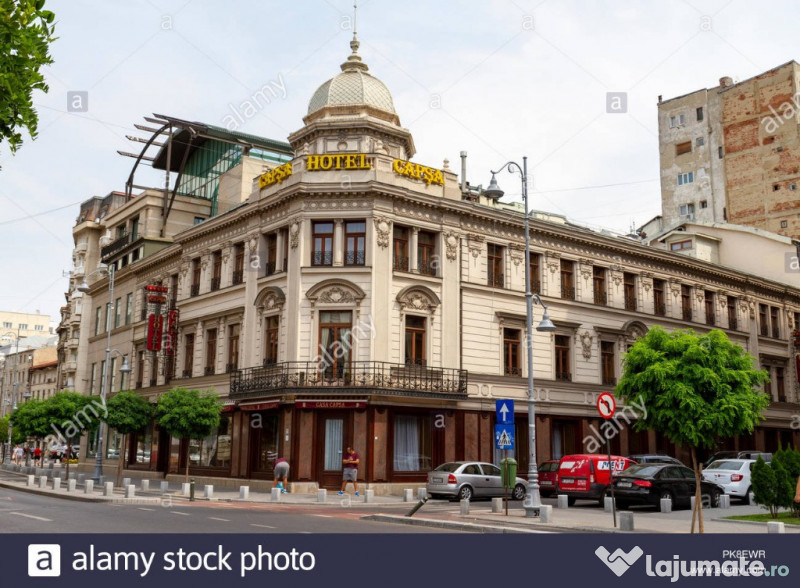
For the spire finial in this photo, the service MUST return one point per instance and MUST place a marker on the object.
(354, 60)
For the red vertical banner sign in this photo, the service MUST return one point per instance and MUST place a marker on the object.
(155, 324)
(172, 332)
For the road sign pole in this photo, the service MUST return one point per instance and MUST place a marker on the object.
(505, 464)
(611, 483)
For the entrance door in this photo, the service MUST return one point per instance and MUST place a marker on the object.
(333, 432)
(163, 451)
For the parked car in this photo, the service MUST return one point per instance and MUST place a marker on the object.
(641, 458)
(747, 454)
(470, 479)
(586, 476)
(650, 482)
(733, 475)
(721, 455)
(548, 477)
(754, 455)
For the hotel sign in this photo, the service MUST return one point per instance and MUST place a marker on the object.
(330, 404)
(275, 176)
(337, 162)
(418, 172)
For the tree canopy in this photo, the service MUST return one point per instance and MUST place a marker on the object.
(26, 31)
(128, 412)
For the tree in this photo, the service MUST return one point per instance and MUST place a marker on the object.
(765, 491)
(188, 414)
(128, 412)
(17, 436)
(26, 31)
(694, 388)
(29, 420)
(70, 414)
(789, 460)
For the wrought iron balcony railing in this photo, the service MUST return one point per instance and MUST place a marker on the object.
(396, 378)
(357, 257)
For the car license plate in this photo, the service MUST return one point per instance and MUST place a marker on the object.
(546, 483)
(436, 480)
(623, 484)
(567, 480)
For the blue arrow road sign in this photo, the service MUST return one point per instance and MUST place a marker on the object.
(505, 412)
(504, 436)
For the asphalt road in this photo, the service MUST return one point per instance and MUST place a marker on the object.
(21, 512)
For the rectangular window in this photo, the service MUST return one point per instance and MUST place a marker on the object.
(103, 375)
(700, 141)
(599, 285)
(134, 228)
(216, 276)
(711, 318)
(285, 238)
(704, 204)
(775, 323)
(567, 280)
(238, 263)
(211, 352)
(188, 357)
(97, 320)
(426, 252)
(720, 152)
(415, 340)
(763, 320)
(144, 440)
(41, 327)
(495, 265)
(511, 345)
(355, 238)
(535, 274)
(7, 325)
(271, 340)
(680, 245)
(117, 312)
(563, 373)
(214, 451)
(233, 348)
(128, 308)
(685, 178)
(659, 301)
(334, 337)
(629, 283)
(685, 147)
(197, 268)
(322, 243)
(607, 361)
(412, 443)
(272, 254)
(780, 384)
(733, 323)
(686, 209)
(400, 251)
(677, 121)
(92, 379)
(686, 302)
(699, 113)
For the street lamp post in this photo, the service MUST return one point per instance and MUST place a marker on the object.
(533, 500)
(11, 401)
(105, 383)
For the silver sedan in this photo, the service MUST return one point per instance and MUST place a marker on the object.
(470, 479)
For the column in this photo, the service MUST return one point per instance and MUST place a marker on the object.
(199, 364)
(338, 243)
(412, 250)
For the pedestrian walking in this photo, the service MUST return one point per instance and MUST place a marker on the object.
(17, 454)
(281, 470)
(350, 472)
(37, 457)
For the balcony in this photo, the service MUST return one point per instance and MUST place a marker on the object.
(186, 373)
(600, 298)
(238, 277)
(346, 377)
(357, 257)
(209, 370)
(536, 287)
(710, 320)
(609, 380)
(733, 323)
(230, 368)
(153, 381)
(426, 267)
(321, 258)
(660, 309)
(270, 268)
(215, 284)
(195, 290)
(513, 370)
(117, 245)
(630, 301)
(401, 264)
(563, 376)
(138, 384)
(495, 280)
(686, 313)
(568, 292)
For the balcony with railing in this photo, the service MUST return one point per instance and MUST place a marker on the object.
(238, 277)
(215, 284)
(117, 245)
(609, 380)
(400, 264)
(426, 267)
(195, 290)
(600, 298)
(209, 370)
(630, 301)
(322, 258)
(495, 279)
(567, 292)
(660, 308)
(563, 376)
(733, 323)
(270, 268)
(357, 257)
(343, 377)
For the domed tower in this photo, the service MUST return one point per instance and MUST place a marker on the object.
(353, 112)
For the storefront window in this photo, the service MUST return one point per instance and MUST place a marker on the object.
(114, 445)
(265, 428)
(412, 443)
(215, 450)
(144, 440)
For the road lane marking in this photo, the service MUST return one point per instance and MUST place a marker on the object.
(262, 526)
(143, 508)
(22, 514)
(324, 516)
(185, 514)
(219, 519)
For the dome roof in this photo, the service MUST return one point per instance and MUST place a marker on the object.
(353, 86)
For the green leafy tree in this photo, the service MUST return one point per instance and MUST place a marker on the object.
(789, 460)
(765, 491)
(128, 412)
(694, 389)
(188, 414)
(29, 420)
(26, 31)
(17, 436)
(72, 414)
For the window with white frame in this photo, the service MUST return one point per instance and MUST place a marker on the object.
(685, 178)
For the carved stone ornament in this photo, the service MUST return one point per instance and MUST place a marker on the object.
(294, 235)
(553, 263)
(418, 299)
(475, 243)
(451, 245)
(586, 339)
(586, 269)
(383, 229)
(675, 288)
(616, 277)
(337, 295)
(252, 244)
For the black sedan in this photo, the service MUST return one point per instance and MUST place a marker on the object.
(649, 483)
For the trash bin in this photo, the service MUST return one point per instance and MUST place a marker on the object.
(508, 472)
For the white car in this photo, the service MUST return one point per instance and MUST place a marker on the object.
(733, 475)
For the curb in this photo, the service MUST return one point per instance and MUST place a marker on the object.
(66, 496)
(454, 526)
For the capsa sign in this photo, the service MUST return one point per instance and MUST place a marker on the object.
(418, 172)
(275, 176)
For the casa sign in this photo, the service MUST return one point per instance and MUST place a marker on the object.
(418, 172)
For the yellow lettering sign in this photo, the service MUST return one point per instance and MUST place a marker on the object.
(275, 176)
(337, 162)
(418, 172)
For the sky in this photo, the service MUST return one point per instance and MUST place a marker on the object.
(500, 79)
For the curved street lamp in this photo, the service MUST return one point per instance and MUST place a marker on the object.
(533, 499)
(105, 383)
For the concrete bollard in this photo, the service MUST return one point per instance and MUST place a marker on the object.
(692, 502)
(275, 494)
(465, 507)
(88, 487)
(546, 513)
(322, 495)
(369, 495)
(408, 495)
(244, 492)
(130, 491)
(724, 501)
(497, 505)
(626, 521)
(164, 487)
(775, 527)
(71, 484)
(42, 481)
(186, 488)
(563, 501)
(666, 505)
(208, 491)
(422, 493)
(126, 482)
(608, 504)
(145, 485)
(31, 480)
(56, 483)
(108, 489)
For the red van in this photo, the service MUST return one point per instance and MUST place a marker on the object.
(586, 476)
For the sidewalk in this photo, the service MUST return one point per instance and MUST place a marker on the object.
(583, 518)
